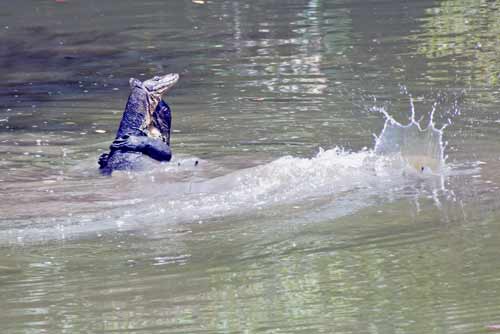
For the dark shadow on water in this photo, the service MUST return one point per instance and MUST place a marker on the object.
(41, 65)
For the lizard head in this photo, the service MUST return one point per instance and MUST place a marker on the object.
(155, 87)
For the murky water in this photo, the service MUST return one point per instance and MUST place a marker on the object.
(293, 220)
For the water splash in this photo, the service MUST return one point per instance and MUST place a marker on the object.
(421, 148)
(331, 184)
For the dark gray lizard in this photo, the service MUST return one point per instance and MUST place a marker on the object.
(144, 130)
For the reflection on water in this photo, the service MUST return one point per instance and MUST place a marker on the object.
(265, 234)
(465, 33)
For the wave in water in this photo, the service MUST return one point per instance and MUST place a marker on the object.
(335, 180)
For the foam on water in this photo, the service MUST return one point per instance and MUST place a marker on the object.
(186, 191)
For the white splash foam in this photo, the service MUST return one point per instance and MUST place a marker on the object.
(183, 192)
(417, 147)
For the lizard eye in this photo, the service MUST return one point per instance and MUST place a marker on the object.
(156, 78)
